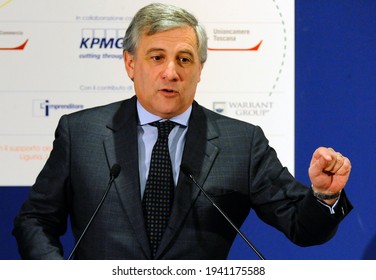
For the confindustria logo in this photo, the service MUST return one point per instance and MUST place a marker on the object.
(4, 3)
(44, 108)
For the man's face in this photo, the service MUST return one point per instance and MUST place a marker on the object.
(166, 70)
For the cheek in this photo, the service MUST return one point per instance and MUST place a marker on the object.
(197, 75)
(147, 75)
(142, 78)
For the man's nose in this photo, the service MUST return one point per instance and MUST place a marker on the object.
(170, 72)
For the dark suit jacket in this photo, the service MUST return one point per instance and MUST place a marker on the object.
(230, 158)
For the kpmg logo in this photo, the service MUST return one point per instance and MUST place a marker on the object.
(98, 41)
(44, 108)
(102, 38)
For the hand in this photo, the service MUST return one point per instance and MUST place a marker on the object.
(329, 171)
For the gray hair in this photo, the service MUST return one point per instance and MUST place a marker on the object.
(157, 17)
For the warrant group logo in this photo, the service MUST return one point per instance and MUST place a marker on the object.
(244, 108)
(44, 108)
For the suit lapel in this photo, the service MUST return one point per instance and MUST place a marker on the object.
(199, 155)
(121, 148)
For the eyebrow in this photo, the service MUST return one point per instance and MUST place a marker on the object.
(184, 51)
(155, 50)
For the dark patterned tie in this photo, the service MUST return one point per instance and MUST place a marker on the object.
(159, 190)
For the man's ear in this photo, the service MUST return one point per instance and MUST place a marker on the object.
(129, 64)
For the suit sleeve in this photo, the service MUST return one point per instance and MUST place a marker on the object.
(43, 216)
(288, 205)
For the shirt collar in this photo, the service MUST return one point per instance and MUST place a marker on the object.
(146, 117)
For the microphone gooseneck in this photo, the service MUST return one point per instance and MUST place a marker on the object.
(187, 172)
(114, 173)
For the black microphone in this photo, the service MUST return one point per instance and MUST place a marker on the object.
(188, 173)
(114, 173)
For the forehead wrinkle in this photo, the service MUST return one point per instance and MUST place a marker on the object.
(155, 50)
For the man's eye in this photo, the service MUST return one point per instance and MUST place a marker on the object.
(156, 57)
(184, 60)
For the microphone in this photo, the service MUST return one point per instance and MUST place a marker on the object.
(188, 173)
(114, 173)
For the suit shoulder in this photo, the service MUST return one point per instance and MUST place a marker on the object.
(225, 120)
(94, 120)
(224, 125)
(103, 111)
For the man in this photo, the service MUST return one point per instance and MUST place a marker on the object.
(164, 53)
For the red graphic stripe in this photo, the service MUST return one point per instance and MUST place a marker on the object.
(255, 48)
(19, 48)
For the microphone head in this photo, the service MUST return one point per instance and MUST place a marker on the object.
(115, 170)
(186, 170)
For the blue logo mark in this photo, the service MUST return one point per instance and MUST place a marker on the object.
(43, 108)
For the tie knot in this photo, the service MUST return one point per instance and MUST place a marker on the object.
(164, 128)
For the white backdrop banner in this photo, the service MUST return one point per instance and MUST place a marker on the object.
(57, 57)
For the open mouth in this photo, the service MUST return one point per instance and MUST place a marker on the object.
(166, 90)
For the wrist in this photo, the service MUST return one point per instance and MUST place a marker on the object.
(325, 196)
